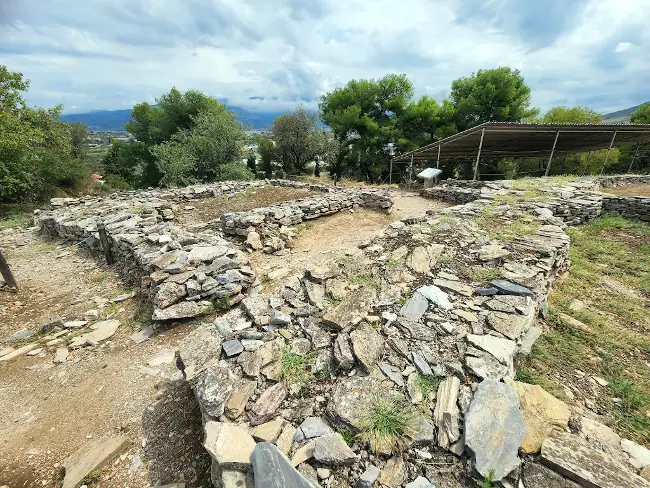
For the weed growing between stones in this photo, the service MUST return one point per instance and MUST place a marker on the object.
(427, 384)
(348, 436)
(487, 481)
(387, 424)
(294, 367)
(483, 274)
(93, 477)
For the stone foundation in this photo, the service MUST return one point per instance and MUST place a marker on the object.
(631, 207)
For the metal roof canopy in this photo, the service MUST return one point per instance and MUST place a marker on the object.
(529, 140)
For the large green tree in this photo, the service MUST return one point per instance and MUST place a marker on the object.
(571, 115)
(295, 135)
(641, 115)
(364, 117)
(427, 121)
(209, 151)
(499, 95)
(37, 155)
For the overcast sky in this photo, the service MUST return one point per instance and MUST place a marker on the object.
(275, 54)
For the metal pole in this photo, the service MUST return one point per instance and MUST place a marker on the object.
(548, 166)
(478, 156)
(608, 151)
(411, 170)
(584, 170)
(6, 273)
(390, 175)
(633, 157)
(103, 239)
(438, 162)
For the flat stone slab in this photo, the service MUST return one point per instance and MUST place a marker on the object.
(502, 349)
(183, 310)
(456, 286)
(272, 469)
(18, 352)
(100, 332)
(229, 445)
(494, 429)
(436, 296)
(91, 457)
(415, 307)
(353, 306)
(509, 288)
(348, 398)
(199, 349)
(574, 458)
(332, 450)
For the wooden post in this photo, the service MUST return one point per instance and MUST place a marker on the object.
(584, 170)
(6, 273)
(548, 166)
(103, 239)
(629, 170)
(390, 175)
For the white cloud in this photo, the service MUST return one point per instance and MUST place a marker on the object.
(105, 54)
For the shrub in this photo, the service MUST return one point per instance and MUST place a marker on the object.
(387, 424)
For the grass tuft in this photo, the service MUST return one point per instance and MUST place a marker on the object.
(295, 367)
(388, 424)
(483, 273)
(427, 383)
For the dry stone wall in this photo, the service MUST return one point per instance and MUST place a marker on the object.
(631, 207)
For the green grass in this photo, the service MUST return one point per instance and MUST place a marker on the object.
(364, 279)
(294, 367)
(15, 215)
(483, 273)
(92, 477)
(388, 424)
(616, 345)
(349, 436)
(487, 481)
(427, 384)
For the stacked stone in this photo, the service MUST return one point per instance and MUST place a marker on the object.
(452, 194)
(622, 180)
(632, 207)
(377, 199)
(182, 273)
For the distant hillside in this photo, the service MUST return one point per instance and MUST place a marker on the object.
(621, 116)
(114, 120)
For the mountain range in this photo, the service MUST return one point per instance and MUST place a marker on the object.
(115, 120)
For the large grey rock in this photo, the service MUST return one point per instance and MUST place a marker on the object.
(446, 415)
(169, 293)
(183, 310)
(214, 389)
(574, 458)
(422, 258)
(229, 445)
(485, 366)
(343, 352)
(266, 405)
(272, 469)
(509, 288)
(200, 349)
(239, 397)
(315, 293)
(351, 308)
(436, 296)
(368, 346)
(250, 362)
(509, 324)
(415, 307)
(537, 475)
(494, 429)
(206, 253)
(639, 455)
(332, 450)
(349, 399)
(232, 347)
(258, 309)
(279, 318)
(421, 363)
(502, 349)
(312, 427)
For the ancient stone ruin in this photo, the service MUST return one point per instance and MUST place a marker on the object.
(393, 366)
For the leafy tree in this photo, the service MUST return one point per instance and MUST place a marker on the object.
(266, 150)
(202, 153)
(571, 115)
(641, 115)
(36, 152)
(78, 134)
(427, 121)
(294, 135)
(251, 161)
(498, 94)
(364, 117)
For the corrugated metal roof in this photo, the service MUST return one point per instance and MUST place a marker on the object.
(513, 139)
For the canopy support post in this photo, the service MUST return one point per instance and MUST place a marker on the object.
(608, 151)
(584, 170)
(548, 166)
(629, 170)
(390, 175)
(478, 156)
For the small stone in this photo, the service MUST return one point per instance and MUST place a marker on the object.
(348, 395)
(367, 345)
(61, 355)
(436, 296)
(269, 431)
(214, 389)
(393, 473)
(232, 347)
(304, 453)
(486, 292)
(509, 288)
(468, 316)
(250, 362)
(229, 445)
(268, 402)
(343, 352)
(34, 352)
(280, 319)
(323, 473)
(332, 450)
(639, 455)
(421, 363)
(238, 399)
(420, 482)
(392, 372)
(351, 307)
(74, 324)
(415, 307)
(446, 415)
(312, 427)
(368, 477)
(285, 440)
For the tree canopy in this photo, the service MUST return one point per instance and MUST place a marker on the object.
(641, 115)
(498, 95)
(571, 115)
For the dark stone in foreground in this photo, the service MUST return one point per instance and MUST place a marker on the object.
(486, 292)
(273, 470)
(508, 288)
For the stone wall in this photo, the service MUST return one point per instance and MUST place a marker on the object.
(622, 180)
(632, 207)
(184, 274)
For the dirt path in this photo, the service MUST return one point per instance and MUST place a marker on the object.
(331, 237)
(50, 410)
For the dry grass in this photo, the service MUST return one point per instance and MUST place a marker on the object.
(630, 190)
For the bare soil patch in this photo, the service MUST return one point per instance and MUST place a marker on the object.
(209, 209)
(641, 190)
(51, 410)
(331, 237)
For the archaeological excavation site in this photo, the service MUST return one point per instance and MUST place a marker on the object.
(274, 333)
